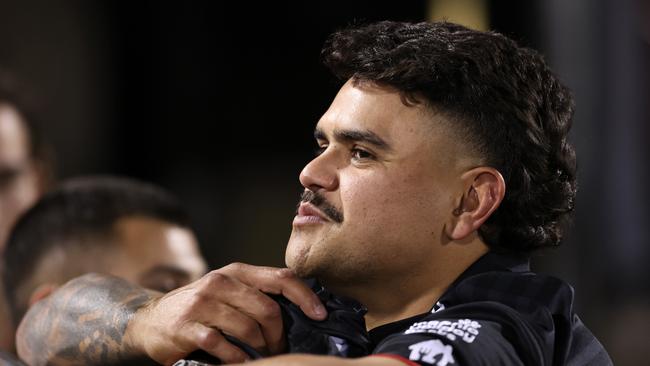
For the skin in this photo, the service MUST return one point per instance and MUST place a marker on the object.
(417, 194)
(134, 325)
(149, 252)
(145, 251)
(20, 184)
(20, 187)
(396, 198)
(156, 254)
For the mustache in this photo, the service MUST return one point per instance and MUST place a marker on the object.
(321, 203)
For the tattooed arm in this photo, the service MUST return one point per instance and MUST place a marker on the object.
(83, 323)
(99, 319)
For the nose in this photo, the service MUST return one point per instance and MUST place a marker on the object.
(320, 173)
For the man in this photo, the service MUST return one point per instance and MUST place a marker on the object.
(99, 224)
(443, 163)
(23, 171)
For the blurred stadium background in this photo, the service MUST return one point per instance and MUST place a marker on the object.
(216, 100)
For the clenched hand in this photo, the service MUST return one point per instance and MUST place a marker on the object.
(231, 300)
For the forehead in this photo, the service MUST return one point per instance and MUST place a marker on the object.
(365, 105)
(381, 111)
(154, 242)
(416, 132)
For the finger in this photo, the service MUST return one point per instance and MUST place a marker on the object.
(268, 317)
(233, 322)
(281, 281)
(212, 341)
(248, 301)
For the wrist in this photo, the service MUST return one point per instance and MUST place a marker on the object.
(137, 334)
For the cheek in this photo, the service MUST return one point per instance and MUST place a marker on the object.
(18, 198)
(392, 203)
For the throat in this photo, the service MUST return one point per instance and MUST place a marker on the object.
(388, 301)
(400, 304)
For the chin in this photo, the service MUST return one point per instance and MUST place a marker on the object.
(296, 257)
(310, 256)
(302, 269)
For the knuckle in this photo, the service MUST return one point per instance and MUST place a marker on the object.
(208, 339)
(233, 267)
(198, 298)
(215, 278)
(270, 310)
(284, 273)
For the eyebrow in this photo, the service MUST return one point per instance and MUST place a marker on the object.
(354, 136)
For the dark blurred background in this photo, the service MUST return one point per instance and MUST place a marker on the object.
(216, 101)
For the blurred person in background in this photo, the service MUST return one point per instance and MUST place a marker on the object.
(110, 225)
(25, 169)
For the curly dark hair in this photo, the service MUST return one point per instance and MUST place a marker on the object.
(504, 102)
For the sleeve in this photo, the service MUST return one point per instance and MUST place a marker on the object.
(469, 337)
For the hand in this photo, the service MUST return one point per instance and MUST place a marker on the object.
(231, 300)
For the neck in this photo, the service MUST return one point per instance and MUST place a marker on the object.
(403, 296)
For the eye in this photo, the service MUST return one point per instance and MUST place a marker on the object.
(319, 150)
(8, 176)
(361, 154)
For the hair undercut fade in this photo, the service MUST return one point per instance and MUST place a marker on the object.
(505, 104)
(83, 212)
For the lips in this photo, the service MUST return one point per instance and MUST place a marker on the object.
(308, 214)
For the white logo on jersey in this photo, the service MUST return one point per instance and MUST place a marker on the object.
(340, 343)
(428, 351)
(465, 329)
(437, 307)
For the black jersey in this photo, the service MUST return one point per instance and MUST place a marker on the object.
(496, 313)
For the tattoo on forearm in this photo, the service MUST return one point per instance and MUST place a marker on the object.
(83, 323)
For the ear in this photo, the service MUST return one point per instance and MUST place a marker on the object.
(483, 193)
(41, 292)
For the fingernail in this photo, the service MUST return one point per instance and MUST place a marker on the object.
(320, 311)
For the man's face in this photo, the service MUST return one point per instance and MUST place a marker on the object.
(384, 183)
(154, 254)
(19, 183)
(149, 252)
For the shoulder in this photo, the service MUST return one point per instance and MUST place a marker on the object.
(480, 333)
(498, 317)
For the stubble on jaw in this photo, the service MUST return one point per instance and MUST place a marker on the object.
(315, 257)
(299, 249)
(295, 254)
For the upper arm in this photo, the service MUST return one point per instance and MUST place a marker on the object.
(480, 333)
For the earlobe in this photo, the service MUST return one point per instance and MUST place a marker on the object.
(485, 191)
(42, 291)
